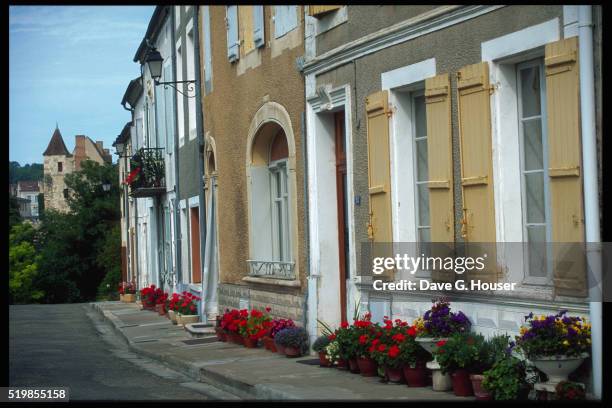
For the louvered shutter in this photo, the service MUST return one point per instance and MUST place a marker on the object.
(258, 26)
(563, 112)
(478, 223)
(232, 33)
(379, 179)
(440, 170)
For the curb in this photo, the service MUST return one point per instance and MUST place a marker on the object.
(190, 370)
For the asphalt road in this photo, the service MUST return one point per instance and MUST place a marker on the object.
(70, 345)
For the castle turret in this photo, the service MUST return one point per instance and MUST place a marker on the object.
(57, 163)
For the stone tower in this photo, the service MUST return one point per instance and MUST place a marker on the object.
(58, 163)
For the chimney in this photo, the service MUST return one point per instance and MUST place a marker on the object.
(100, 144)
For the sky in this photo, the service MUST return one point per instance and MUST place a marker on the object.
(70, 65)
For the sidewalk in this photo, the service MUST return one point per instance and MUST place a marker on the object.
(248, 373)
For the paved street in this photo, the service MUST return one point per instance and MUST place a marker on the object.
(71, 345)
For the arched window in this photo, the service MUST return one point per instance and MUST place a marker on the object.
(270, 196)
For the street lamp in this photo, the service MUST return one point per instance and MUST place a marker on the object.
(119, 148)
(155, 61)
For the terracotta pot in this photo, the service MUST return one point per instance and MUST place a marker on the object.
(249, 342)
(280, 348)
(292, 351)
(415, 377)
(462, 386)
(323, 361)
(342, 364)
(367, 367)
(235, 338)
(480, 393)
(221, 335)
(394, 375)
(269, 344)
(353, 366)
(160, 309)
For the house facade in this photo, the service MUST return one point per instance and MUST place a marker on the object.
(29, 190)
(456, 125)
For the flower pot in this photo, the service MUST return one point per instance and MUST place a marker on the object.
(280, 348)
(187, 319)
(415, 377)
(323, 361)
(221, 336)
(557, 368)
(367, 367)
(249, 342)
(269, 344)
(342, 364)
(121, 298)
(129, 298)
(480, 393)
(429, 343)
(160, 309)
(353, 365)
(292, 351)
(172, 316)
(394, 375)
(462, 386)
(439, 381)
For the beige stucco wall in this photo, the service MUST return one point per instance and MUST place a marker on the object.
(239, 91)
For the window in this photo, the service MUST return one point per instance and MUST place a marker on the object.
(419, 130)
(59, 167)
(285, 20)
(180, 98)
(207, 50)
(280, 210)
(534, 167)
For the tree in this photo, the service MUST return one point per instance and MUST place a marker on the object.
(14, 216)
(23, 265)
(29, 172)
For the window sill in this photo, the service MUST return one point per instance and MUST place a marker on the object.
(271, 281)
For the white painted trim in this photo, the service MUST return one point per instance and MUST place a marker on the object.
(183, 204)
(570, 21)
(333, 19)
(434, 20)
(194, 201)
(408, 74)
(522, 40)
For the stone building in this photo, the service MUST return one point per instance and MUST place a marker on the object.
(58, 162)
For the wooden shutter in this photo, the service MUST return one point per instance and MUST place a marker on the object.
(379, 178)
(245, 30)
(440, 168)
(258, 26)
(564, 150)
(478, 222)
(320, 11)
(232, 33)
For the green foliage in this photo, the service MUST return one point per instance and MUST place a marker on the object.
(23, 266)
(320, 344)
(28, 172)
(14, 216)
(462, 351)
(505, 379)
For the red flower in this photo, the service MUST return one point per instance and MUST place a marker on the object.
(363, 339)
(412, 331)
(268, 308)
(441, 343)
(382, 347)
(399, 337)
(344, 325)
(394, 351)
(375, 342)
(332, 337)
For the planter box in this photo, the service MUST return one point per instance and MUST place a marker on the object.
(186, 319)
(128, 298)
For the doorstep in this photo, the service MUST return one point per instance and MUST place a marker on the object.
(251, 373)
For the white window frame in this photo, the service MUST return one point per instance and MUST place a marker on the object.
(539, 63)
(180, 105)
(502, 54)
(190, 56)
(281, 249)
(416, 138)
(208, 84)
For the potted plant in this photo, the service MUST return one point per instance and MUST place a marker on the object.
(556, 344)
(294, 341)
(256, 326)
(493, 349)
(343, 336)
(505, 380)
(364, 332)
(277, 325)
(385, 349)
(320, 347)
(187, 309)
(434, 328)
(230, 322)
(567, 390)
(413, 358)
(173, 307)
(160, 303)
(148, 296)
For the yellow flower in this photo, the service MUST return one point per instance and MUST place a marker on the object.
(523, 330)
(588, 341)
(565, 343)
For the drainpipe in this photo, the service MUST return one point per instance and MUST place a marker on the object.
(201, 163)
(177, 199)
(591, 199)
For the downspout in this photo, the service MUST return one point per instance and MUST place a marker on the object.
(201, 164)
(306, 215)
(591, 191)
(177, 209)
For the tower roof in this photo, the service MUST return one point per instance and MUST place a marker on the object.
(57, 147)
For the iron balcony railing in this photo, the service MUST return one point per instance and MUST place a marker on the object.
(147, 176)
(271, 269)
